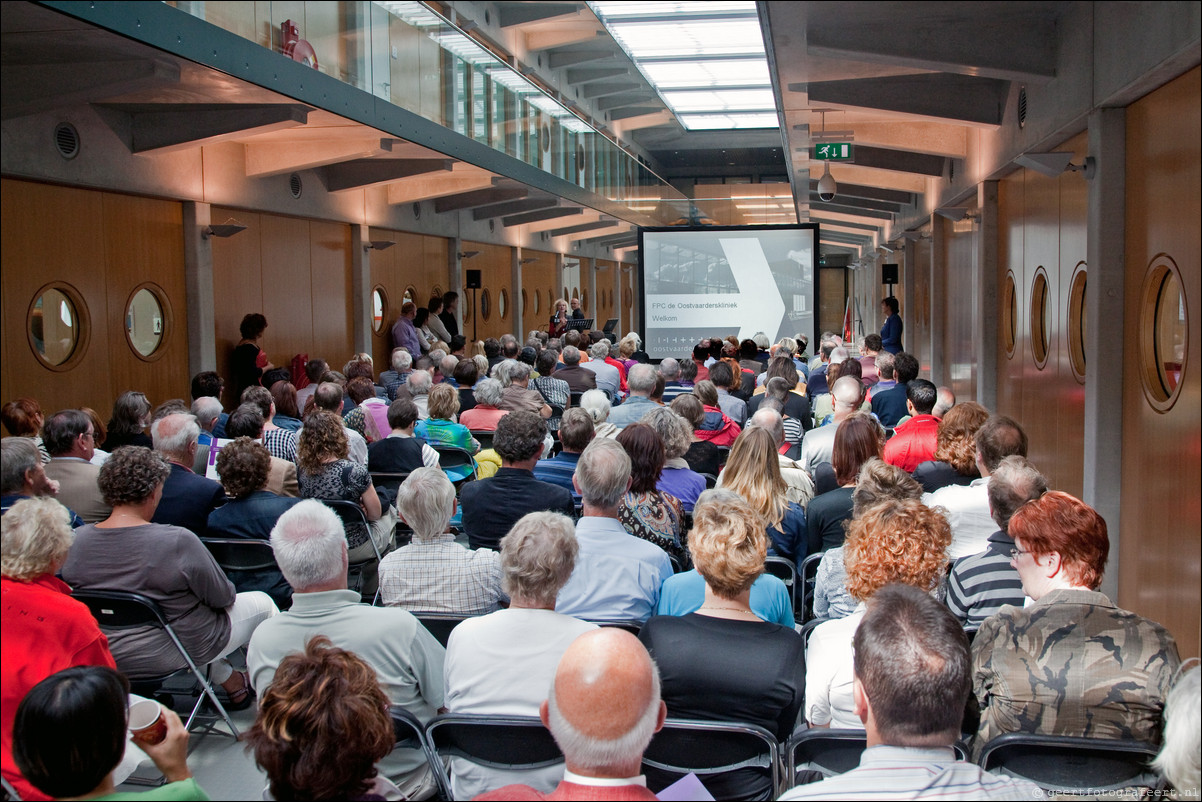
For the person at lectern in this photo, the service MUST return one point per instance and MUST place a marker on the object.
(559, 320)
(577, 312)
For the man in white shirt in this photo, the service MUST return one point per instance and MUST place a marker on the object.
(503, 663)
(967, 506)
(617, 576)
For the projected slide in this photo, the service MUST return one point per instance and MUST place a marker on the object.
(704, 282)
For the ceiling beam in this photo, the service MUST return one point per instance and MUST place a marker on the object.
(577, 213)
(586, 75)
(830, 221)
(370, 172)
(479, 197)
(964, 98)
(167, 127)
(900, 161)
(568, 57)
(624, 99)
(819, 206)
(539, 215)
(875, 193)
(265, 159)
(604, 88)
(513, 207)
(849, 199)
(626, 112)
(578, 231)
(511, 14)
(428, 187)
(560, 34)
(35, 88)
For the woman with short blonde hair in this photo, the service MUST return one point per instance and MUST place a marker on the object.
(723, 661)
(441, 429)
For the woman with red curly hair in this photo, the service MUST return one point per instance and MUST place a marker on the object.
(893, 542)
(1071, 663)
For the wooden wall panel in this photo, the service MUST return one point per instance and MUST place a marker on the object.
(604, 303)
(494, 261)
(1160, 576)
(287, 292)
(144, 243)
(1069, 392)
(960, 313)
(538, 278)
(330, 277)
(416, 262)
(237, 285)
(103, 265)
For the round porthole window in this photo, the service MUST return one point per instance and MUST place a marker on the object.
(1164, 332)
(1076, 322)
(379, 307)
(410, 296)
(55, 326)
(1039, 317)
(485, 305)
(537, 301)
(584, 300)
(145, 320)
(1009, 315)
(502, 303)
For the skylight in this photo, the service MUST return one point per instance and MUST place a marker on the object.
(706, 59)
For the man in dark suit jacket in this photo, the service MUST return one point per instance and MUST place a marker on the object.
(187, 498)
(890, 405)
(492, 506)
(579, 379)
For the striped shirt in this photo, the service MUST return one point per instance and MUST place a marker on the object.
(981, 584)
(898, 772)
(437, 575)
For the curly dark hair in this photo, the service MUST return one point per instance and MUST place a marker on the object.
(252, 326)
(519, 436)
(322, 436)
(130, 475)
(243, 466)
(323, 724)
(646, 453)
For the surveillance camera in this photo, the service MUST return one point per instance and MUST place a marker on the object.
(827, 187)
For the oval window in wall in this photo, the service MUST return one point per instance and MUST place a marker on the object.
(410, 296)
(584, 300)
(56, 326)
(485, 305)
(1039, 317)
(627, 297)
(1076, 322)
(537, 301)
(379, 307)
(146, 320)
(1164, 331)
(502, 303)
(1009, 315)
(525, 301)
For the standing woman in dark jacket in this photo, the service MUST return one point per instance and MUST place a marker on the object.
(248, 362)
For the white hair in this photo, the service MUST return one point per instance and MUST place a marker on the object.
(596, 402)
(206, 409)
(426, 500)
(419, 382)
(599, 350)
(402, 360)
(181, 431)
(518, 371)
(589, 752)
(641, 379)
(502, 369)
(670, 368)
(488, 391)
(603, 473)
(1178, 760)
(309, 544)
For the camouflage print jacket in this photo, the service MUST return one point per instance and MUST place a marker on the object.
(1072, 664)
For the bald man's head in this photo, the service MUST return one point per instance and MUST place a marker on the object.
(771, 420)
(604, 705)
(848, 393)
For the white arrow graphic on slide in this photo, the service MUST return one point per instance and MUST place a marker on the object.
(756, 307)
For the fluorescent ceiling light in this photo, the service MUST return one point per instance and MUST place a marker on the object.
(706, 59)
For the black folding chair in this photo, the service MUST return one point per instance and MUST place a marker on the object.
(483, 437)
(786, 572)
(389, 481)
(440, 624)
(1064, 764)
(709, 749)
(814, 754)
(456, 457)
(250, 564)
(805, 599)
(499, 742)
(118, 609)
(711, 481)
(357, 573)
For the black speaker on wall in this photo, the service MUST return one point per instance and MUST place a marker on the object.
(474, 280)
(888, 273)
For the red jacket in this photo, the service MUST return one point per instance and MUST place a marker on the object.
(567, 790)
(913, 443)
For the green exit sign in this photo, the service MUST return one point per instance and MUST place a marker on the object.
(832, 151)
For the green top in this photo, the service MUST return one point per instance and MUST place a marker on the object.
(182, 791)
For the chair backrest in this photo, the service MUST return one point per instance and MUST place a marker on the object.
(786, 572)
(713, 747)
(440, 624)
(499, 742)
(119, 609)
(483, 437)
(241, 554)
(389, 481)
(633, 626)
(808, 628)
(711, 481)
(352, 514)
(805, 598)
(576, 395)
(814, 754)
(1061, 763)
(454, 457)
(410, 732)
(723, 455)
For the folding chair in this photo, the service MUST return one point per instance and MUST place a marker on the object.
(711, 481)
(389, 481)
(440, 624)
(499, 742)
(808, 628)
(710, 749)
(1064, 764)
(809, 575)
(723, 455)
(814, 754)
(410, 732)
(786, 572)
(352, 514)
(250, 565)
(455, 457)
(483, 437)
(118, 609)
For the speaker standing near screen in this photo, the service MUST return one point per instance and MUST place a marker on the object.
(891, 332)
(558, 325)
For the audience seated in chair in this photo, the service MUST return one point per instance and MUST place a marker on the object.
(322, 727)
(677, 478)
(311, 550)
(645, 511)
(753, 472)
(914, 442)
(575, 433)
(980, 585)
(617, 576)
(23, 475)
(71, 736)
(954, 462)
(69, 437)
(492, 506)
(910, 685)
(247, 421)
(187, 498)
(401, 451)
(45, 630)
(504, 662)
(723, 662)
(434, 574)
(1071, 663)
(603, 709)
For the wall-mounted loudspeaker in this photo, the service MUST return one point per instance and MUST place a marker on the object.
(889, 274)
(474, 280)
